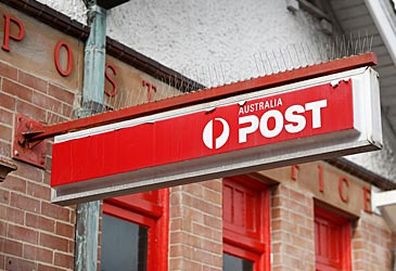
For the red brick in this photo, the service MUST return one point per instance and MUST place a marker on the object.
(23, 234)
(31, 111)
(73, 214)
(11, 247)
(29, 172)
(17, 90)
(43, 267)
(64, 260)
(3, 212)
(61, 94)
(8, 71)
(176, 224)
(211, 221)
(40, 222)
(207, 232)
(5, 149)
(64, 230)
(213, 196)
(2, 262)
(37, 253)
(15, 184)
(49, 147)
(48, 162)
(209, 268)
(6, 117)
(176, 264)
(47, 178)
(47, 102)
(3, 227)
(39, 191)
(67, 111)
(15, 264)
(5, 133)
(32, 81)
(195, 189)
(214, 185)
(4, 196)
(55, 211)
(203, 205)
(53, 242)
(71, 245)
(12, 214)
(53, 118)
(208, 258)
(7, 101)
(25, 203)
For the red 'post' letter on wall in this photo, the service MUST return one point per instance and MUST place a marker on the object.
(8, 21)
(321, 179)
(367, 199)
(110, 79)
(69, 62)
(294, 172)
(343, 182)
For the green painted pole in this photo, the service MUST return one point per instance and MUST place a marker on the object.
(87, 224)
(94, 61)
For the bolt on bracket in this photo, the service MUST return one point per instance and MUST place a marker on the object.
(31, 152)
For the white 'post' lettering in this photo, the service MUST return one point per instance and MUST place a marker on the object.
(265, 131)
(243, 132)
(298, 122)
(316, 110)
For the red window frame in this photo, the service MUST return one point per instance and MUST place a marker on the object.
(151, 210)
(250, 242)
(330, 255)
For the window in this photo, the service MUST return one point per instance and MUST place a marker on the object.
(246, 225)
(127, 237)
(332, 241)
(135, 232)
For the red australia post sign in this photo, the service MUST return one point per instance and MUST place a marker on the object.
(314, 119)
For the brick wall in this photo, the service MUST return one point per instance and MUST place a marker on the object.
(292, 229)
(293, 234)
(196, 227)
(372, 244)
(34, 234)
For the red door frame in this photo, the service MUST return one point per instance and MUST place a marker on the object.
(238, 241)
(151, 214)
(343, 233)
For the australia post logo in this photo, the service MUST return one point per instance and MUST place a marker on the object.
(208, 136)
(263, 122)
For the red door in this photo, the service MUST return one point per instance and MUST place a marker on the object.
(332, 241)
(246, 225)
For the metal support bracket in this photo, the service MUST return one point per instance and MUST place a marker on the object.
(23, 150)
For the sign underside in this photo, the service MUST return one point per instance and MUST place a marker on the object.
(319, 118)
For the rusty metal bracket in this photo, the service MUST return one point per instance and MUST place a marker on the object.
(23, 149)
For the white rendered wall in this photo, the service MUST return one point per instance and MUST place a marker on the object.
(216, 41)
(199, 38)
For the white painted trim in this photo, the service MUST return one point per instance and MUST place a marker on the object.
(381, 199)
(384, 27)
